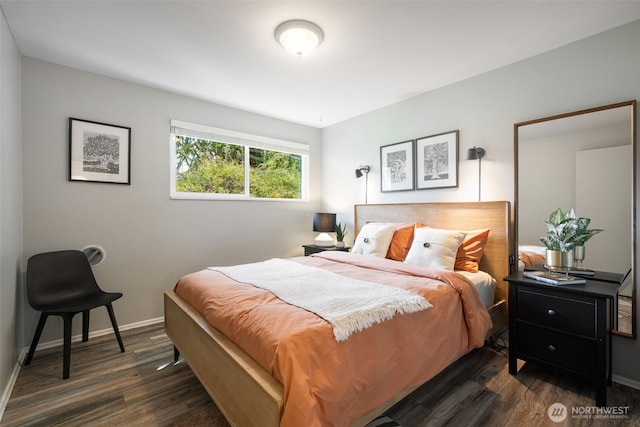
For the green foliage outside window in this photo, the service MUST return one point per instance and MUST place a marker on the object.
(213, 176)
(205, 166)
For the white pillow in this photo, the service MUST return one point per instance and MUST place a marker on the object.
(374, 239)
(435, 248)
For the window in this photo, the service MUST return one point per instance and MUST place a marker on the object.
(213, 163)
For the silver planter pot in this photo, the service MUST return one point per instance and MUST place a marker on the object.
(559, 259)
(578, 257)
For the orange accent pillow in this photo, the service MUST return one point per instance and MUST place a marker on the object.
(401, 242)
(471, 250)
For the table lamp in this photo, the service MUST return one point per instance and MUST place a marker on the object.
(324, 223)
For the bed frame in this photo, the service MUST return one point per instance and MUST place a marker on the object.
(246, 393)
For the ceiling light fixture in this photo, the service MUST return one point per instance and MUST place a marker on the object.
(298, 36)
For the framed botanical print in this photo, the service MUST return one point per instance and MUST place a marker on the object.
(437, 161)
(396, 167)
(99, 152)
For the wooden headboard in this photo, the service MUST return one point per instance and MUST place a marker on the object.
(495, 216)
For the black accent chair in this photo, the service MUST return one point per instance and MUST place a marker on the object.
(62, 284)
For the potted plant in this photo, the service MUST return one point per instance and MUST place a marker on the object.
(565, 232)
(341, 232)
(583, 234)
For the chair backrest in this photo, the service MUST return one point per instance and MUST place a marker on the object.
(54, 277)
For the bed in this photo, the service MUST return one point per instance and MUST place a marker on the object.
(250, 395)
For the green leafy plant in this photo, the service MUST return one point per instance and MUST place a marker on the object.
(565, 231)
(341, 231)
(582, 232)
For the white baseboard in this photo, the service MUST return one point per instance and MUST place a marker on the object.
(625, 381)
(76, 338)
(12, 381)
(4, 400)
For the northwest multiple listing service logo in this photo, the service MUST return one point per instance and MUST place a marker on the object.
(558, 412)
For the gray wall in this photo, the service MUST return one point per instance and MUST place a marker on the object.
(10, 207)
(599, 70)
(149, 239)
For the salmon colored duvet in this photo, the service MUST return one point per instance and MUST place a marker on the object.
(329, 383)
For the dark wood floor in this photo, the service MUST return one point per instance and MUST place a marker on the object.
(143, 387)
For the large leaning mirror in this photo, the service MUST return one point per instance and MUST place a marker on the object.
(583, 160)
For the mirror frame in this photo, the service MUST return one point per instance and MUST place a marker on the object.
(632, 104)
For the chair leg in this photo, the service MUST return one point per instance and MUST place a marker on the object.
(36, 338)
(176, 354)
(115, 326)
(66, 362)
(85, 326)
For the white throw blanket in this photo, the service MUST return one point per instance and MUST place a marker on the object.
(349, 305)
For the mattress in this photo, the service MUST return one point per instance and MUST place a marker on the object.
(484, 283)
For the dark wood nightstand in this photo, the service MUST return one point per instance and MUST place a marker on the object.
(314, 249)
(567, 327)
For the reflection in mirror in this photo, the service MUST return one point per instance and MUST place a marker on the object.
(583, 160)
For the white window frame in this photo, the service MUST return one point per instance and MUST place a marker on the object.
(179, 127)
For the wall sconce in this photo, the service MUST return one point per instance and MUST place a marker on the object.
(324, 223)
(364, 170)
(477, 153)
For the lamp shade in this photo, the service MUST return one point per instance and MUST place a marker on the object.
(324, 222)
(362, 170)
(475, 153)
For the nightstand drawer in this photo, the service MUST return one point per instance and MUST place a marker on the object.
(567, 314)
(561, 350)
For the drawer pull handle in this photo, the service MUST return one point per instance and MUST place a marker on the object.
(551, 347)
(551, 312)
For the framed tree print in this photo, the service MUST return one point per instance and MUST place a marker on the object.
(99, 152)
(437, 161)
(396, 167)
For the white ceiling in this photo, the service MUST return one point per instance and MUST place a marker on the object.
(375, 53)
